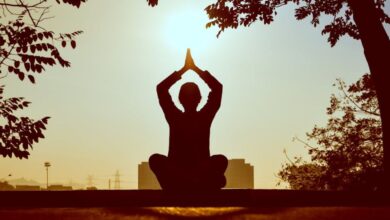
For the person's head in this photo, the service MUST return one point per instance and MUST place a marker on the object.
(189, 96)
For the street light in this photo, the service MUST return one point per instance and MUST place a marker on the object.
(47, 165)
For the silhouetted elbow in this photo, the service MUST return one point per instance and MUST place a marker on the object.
(217, 87)
(160, 88)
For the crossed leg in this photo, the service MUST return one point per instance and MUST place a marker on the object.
(206, 175)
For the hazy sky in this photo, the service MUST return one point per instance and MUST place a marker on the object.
(105, 113)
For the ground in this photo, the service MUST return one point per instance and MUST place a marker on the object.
(223, 204)
(152, 213)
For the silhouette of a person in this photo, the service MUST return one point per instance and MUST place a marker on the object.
(189, 165)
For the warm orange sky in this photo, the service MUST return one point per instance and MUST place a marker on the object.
(105, 113)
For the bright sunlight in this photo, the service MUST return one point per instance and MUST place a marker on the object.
(187, 29)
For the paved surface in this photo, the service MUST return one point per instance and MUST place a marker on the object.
(222, 198)
(301, 213)
(224, 204)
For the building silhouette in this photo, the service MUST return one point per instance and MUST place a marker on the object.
(239, 175)
(27, 188)
(59, 187)
(146, 178)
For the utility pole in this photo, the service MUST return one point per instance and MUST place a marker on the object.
(117, 180)
(90, 181)
(47, 165)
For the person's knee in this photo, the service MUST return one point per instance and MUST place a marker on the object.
(156, 161)
(219, 159)
(219, 162)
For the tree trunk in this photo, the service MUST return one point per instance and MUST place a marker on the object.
(376, 46)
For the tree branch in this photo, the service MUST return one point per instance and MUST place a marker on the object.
(353, 101)
(303, 142)
(288, 158)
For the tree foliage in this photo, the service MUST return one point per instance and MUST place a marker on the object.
(5, 186)
(27, 48)
(233, 13)
(348, 153)
(18, 134)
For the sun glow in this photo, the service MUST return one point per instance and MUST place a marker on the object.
(187, 29)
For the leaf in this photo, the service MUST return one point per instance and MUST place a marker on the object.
(39, 47)
(24, 58)
(12, 118)
(152, 2)
(17, 63)
(77, 33)
(25, 154)
(2, 41)
(45, 119)
(27, 66)
(31, 78)
(21, 76)
(39, 68)
(25, 103)
(51, 61)
(25, 143)
(10, 69)
(16, 71)
(76, 3)
(32, 48)
(73, 44)
(31, 59)
(50, 46)
(63, 43)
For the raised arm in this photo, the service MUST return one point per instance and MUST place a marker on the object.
(165, 98)
(210, 80)
(215, 96)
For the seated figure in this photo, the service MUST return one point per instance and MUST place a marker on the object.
(189, 165)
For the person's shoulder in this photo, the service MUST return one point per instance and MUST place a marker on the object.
(177, 114)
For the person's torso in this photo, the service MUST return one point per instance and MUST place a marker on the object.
(189, 137)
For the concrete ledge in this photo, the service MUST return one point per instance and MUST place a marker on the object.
(223, 198)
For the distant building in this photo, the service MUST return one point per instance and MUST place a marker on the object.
(91, 188)
(59, 188)
(27, 188)
(146, 178)
(238, 175)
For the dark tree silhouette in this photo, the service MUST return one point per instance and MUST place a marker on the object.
(19, 133)
(359, 19)
(26, 46)
(348, 154)
(26, 49)
(5, 186)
